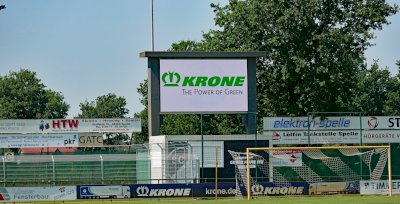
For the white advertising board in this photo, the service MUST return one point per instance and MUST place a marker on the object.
(381, 122)
(241, 162)
(315, 137)
(90, 139)
(288, 158)
(332, 130)
(334, 137)
(302, 123)
(196, 86)
(381, 136)
(38, 193)
(379, 187)
(38, 140)
(122, 125)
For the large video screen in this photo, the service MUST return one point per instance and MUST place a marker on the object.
(201, 86)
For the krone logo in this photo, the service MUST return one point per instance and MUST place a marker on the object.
(143, 191)
(173, 78)
(257, 189)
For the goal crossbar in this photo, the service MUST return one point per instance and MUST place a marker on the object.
(315, 148)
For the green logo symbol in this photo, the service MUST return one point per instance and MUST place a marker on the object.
(171, 78)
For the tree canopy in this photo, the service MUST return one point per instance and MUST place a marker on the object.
(106, 106)
(24, 96)
(378, 93)
(315, 49)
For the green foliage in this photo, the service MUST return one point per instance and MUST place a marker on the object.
(392, 104)
(180, 124)
(106, 106)
(226, 124)
(378, 92)
(142, 137)
(315, 49)
(24, 96)
(186, 45)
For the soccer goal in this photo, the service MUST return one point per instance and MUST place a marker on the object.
(312, 170)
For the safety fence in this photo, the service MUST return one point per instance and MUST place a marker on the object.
(57, 170)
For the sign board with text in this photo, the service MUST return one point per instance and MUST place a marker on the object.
(38, 140)
(333, 130)
(381, 122)
(379, 187)
(90, 140)
(203, 85)
(305, 123)
(48, 193)
(115, 125)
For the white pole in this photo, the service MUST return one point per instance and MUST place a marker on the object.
(152, 26)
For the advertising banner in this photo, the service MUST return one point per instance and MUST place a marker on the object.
(332, 123)
(379, 187)
(38, 193)
(161, 190)
(208, 190)
(326, 188)
(38, 140)
(302, 123)
(274, 189)
(199, 86)
(381, 122)
(116, 125)
(104, 191)
(90, 140)
(334, 137)
(381, 136)
(289, 158)
(314, 137)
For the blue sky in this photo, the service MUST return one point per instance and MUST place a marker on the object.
(88, 48)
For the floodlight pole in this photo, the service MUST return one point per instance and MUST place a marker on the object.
(152, 25)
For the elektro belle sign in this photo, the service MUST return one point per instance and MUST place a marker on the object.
(213, 85)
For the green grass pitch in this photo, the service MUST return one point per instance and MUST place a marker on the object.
(339, 199)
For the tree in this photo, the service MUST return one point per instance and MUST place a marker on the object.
(314, 48)
(106, 106)
(392, 103)
(376, 92)
(142, 137)
(24, 96)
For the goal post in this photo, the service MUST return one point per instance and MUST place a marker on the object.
(312, 170)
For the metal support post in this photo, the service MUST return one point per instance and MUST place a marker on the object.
(4, 172)
(202, 146)
(54, 170)
(216, 172)
(102, 169)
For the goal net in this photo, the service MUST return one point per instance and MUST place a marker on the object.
(311, 170)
